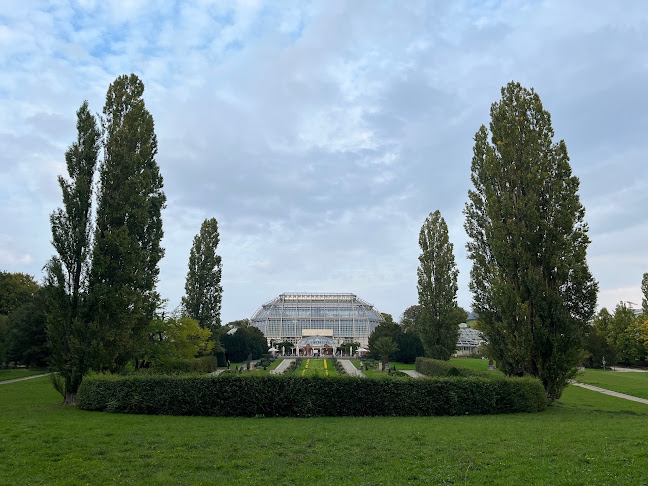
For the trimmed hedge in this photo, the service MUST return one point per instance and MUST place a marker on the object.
(205, 364)
(290, 396)
(439, 368)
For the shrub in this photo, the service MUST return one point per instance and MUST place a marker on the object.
(338, 366)
(206, 364)
(440, 368)
(292, 396)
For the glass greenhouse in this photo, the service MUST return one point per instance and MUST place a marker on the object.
(340, 317)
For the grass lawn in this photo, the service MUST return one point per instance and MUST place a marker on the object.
(311, 367)
(630, 383)
(12, 374)
(586, 438)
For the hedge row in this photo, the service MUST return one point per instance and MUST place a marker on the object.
(291, 396)
(439, 368)
(206, 364)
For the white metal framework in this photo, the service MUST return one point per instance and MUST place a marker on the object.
(290, 316)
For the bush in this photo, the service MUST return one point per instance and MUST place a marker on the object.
(206, 364)
(439, 368)
(338, 366)
(292, 396)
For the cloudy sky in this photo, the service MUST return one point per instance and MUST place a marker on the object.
(321, 134)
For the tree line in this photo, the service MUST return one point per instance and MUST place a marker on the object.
(98, 308)
(530, 281)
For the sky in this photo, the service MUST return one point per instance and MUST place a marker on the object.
(320, 135)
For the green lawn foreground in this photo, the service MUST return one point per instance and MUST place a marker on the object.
(630, 383)
(586, 438)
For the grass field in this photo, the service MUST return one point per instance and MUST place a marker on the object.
(633, 383)
(586, 438)
(13, 374)
(312, 367)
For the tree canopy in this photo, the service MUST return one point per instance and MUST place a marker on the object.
(203, 290)
(129, 225)
(531, 284)
(437, 289)
(67, 272)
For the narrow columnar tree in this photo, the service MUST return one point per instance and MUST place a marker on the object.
(129, 225)
(202, 301)
(531, 284)
(66, 278)
(644, 291)
(437, 289)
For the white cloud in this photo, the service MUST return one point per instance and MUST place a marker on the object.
(321, 135)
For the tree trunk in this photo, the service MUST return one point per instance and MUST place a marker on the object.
(70, 398)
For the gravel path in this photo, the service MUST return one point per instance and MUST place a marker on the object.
(6, 382)
(350, 369)
(283, 366)
(610, 392)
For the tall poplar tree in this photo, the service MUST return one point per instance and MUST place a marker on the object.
(437, 289)
(129, 225)
(203, 298)
(531, 284)
(67, 272)
(644, 291)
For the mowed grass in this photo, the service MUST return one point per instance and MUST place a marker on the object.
(312, 367)
(13, 374)
(630, 383)
(586, 438)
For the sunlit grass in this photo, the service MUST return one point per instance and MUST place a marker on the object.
(630, 383)
(586, 438)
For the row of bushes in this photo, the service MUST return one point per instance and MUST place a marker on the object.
(338, 366)
(291, 396)
(206, 364)
(439, 368)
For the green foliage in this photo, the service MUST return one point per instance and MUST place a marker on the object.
(598, 348)
(441, 368)
(69, 331)
(437, 289)
(204, 364)
(203, 285)
(644, 291)
(188, 337)
(531, 284)
(129, 227)
(26, 341)
(385, 346)
(410, 347)
(387, 329)
(15, 290)
(290, 396)
(246, 341)
(410, 319)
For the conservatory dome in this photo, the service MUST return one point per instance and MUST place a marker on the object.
(340, 318)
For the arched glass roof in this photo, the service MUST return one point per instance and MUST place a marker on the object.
(345, 317)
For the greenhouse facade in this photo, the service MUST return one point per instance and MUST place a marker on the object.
(301, 318)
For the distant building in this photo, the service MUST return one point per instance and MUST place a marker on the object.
(317, 323)
(469, 340)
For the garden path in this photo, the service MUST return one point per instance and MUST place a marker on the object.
(610, 392)
(350, 369)
(283, 366)
(6, 382)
